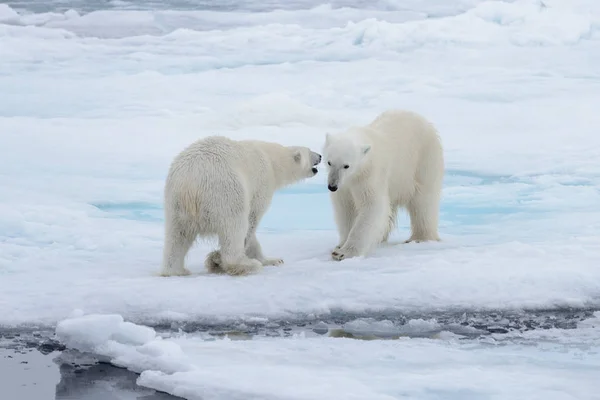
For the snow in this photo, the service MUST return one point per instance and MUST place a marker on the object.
(510, 366)
(95, 105)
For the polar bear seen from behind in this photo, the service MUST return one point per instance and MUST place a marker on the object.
(395, 161)
(221, 187)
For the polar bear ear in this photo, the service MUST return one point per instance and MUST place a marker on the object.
(366, 148)
(297, 156)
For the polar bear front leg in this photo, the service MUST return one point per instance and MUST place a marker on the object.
(253, 247)
(344, 214)
(369, 225)
(254, 250)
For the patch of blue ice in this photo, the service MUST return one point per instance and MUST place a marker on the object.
(137, 211)
(308, 207)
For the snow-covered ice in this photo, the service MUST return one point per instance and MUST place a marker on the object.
(551, 364)
(95, 105)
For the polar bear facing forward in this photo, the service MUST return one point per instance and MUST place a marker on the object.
(395, 161)
(222, 187)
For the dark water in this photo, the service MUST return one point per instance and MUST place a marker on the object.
(47, 372)
(83, 377)
(27, 374)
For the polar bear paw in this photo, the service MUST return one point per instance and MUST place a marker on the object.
(213, 262)
(178, 272)
(272, 262)
(339, 254)
(423, 239)
(242, 267)
(344, 252)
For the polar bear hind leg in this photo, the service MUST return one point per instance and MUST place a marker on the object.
(253, 250)
(424, 205)
(423, 209)
(391, 223)
(232, 234)
(178, 240)
(213, 262)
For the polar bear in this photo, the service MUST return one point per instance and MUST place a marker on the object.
(221, 187)
(395, 161)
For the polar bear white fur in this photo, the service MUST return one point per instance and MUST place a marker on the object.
(395, 161)
(221, 187)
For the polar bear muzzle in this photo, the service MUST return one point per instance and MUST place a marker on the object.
(315, 158)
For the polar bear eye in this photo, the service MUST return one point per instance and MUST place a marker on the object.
(329, 163)
(346, 166)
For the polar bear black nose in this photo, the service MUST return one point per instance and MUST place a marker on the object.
(332, 188)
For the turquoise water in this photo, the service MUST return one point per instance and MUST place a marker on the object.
(468, 200)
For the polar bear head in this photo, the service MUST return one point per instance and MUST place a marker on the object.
(305, 162)
(345, 153)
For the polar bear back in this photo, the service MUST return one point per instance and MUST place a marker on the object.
(215, 176)
(234, 167)
(407, 151)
